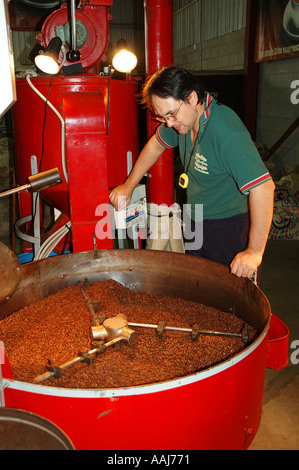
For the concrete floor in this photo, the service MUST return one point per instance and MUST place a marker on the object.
(279, 428)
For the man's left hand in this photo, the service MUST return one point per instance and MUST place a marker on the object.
(245, 263)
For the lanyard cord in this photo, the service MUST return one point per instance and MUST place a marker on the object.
(186, 169)
(207, 115)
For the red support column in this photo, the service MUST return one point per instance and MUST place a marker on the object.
(158, 53)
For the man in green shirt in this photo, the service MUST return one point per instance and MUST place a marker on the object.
(223, 171)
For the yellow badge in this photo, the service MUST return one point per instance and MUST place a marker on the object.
(183, 180)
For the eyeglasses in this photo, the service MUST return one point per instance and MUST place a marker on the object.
(170, 117)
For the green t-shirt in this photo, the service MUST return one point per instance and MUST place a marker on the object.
(223, 163)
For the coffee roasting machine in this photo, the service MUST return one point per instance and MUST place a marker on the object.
(91, 131)
(91, 138)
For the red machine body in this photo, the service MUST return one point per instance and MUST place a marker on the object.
(219, 409)
(97, 117)
(98, 138)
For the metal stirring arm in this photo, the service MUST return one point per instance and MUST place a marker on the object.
(87, 357)
(195, 331)
(113, 330)
(116, 329)
(100, 333)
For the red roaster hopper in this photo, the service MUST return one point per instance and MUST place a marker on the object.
(91, 136)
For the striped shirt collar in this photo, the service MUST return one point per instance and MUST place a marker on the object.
(207, 111)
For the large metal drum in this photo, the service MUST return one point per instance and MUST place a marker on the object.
(217, 408)
(20, 430)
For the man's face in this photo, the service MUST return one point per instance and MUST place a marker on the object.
(179, 114)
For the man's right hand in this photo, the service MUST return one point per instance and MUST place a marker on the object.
(121, 196)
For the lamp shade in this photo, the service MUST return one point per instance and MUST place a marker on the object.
(47, 61)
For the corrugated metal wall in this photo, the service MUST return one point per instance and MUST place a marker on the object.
(196, 21)
(128, 24)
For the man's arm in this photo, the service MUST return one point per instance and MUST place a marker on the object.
(121, 195)
(261, 200)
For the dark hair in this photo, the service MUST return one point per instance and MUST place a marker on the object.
(172, 82)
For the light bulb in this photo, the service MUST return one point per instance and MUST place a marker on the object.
(47, 61)
(124, 61)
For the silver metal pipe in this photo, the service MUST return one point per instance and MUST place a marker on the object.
(73, 26)
(15, 190)
(187, 330)
(148, 325)
(76, 360)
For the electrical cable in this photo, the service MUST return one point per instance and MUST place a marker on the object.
(48, 246)
(43, 146)
(108, 99)
(63, 162)
(44, 125)
(52, 241)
